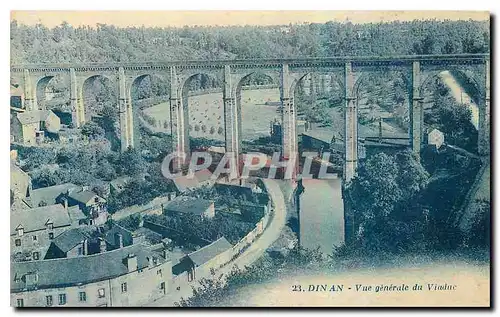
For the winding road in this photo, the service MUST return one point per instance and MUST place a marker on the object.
(251, 254)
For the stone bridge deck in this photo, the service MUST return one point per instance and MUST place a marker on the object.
(340, 60)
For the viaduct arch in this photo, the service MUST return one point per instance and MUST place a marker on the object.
(287, 73)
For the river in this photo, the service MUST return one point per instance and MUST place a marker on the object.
(322, 214)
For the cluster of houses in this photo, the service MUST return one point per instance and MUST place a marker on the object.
(35, 127)
(65, 252)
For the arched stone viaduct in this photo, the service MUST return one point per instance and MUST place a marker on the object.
(416, 71)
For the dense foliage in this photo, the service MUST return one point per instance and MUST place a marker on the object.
(107, 43)
(94, 165)
(399, 207)
(382, 201)
(210, 229)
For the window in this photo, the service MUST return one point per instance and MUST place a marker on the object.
(20, 302)
(101, 293)
(80, 250)
(20, 232)
(124, 287)
(35, 238)
(82, 296)
(18, 242)
(36, 255)
(50, 226)
(51, 235)
(49, 300)
(158, 272)
(62, 299)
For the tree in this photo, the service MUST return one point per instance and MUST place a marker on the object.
(382, 200)
(35, 157)
(131, 162)
(92, 130)
(454, 120)
(109, 113)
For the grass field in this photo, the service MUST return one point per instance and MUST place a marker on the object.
(208, 110)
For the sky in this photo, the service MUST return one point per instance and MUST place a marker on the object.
(190, 18)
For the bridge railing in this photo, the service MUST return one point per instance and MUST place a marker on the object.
(243, 62)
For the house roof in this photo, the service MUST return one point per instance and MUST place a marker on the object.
(120, 182)
(203, 175)
(183, 183)
(75, 213)
(37, 218)
(83, 196)
(70, 238)
(234, 190)
(49, 194)
(110, 236)
(52, 121)
(208, 252)
(79, 270)
(16, 91)
(33, 116)
(185, 204)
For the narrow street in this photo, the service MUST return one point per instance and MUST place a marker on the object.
(250, 255)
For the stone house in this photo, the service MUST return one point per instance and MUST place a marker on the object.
(32, 230)
(202, 261)
(30, 127)
(72, 243)
(89, 202)
(84, 241)
(20, 183)
(129, 276)
(250, 203)
(84, 206)
(48, 195)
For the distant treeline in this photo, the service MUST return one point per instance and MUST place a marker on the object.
(107, 43)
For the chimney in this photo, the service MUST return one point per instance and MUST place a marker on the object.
(86, 247)
(102, 245)
(31, 279)
(150, 261)
(132, 262)
(119, 240)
